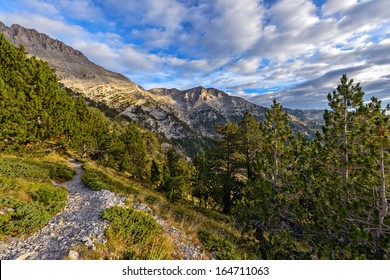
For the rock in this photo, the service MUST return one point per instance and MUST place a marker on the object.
(5, 210)
(24, 255)
(73, 255)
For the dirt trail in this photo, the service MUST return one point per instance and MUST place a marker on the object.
(79, 222)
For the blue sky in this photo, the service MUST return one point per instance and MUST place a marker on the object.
(294, 51)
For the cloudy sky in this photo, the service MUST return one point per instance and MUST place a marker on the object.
(294, 51)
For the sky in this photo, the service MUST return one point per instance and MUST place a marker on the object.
(294, 51)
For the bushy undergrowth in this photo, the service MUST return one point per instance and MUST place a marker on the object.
(23, 217)
(220, 247)
(132, 235)
(96, 179)
(39, 171)
(27, 199)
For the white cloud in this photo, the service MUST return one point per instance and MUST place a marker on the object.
(52, 27)
(36, 5)
(227, 44)
(224, 28)
(335, 6)
(293, 16)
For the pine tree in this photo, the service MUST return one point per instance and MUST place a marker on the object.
(341, 137)
(376, 125)
(155, 174)
(203, 179)
(176, 177)
(134, 157)
(227, 163)
(277, 150)
(251, 141)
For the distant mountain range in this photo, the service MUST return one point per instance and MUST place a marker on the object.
(184, 117)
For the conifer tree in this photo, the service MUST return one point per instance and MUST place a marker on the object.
(251, 141)
(155, 174)
(134, 155)
(176, 177)
(376, 157)
(341, 137)
(277, 150)
(203, 179)
(227, 163)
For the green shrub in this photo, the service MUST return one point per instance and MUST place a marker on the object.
(35, 170)
(132, 224)
(98, 180)
(138, 232)
(29, 217)
(54, 199)
(26, 217)
(220, 247)
(60, 172)
(19, 168)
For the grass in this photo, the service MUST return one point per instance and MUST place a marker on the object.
(27, 197)
(97, 179)
(27, 206)
(37, 170)
(132, 235)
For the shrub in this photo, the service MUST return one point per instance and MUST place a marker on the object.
(217, 245)
(138, 232)
(25, 217)
(35, 170)
(96, 179)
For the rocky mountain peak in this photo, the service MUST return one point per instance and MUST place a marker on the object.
(2, 26)
(68, 62)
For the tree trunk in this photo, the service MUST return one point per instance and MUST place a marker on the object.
(227, 200)
(276, 161)
(345, 159)
(383, 200)
(84, 154)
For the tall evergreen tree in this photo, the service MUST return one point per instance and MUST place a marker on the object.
(277, 150)
(251, 141)
(134, 155)
(227, 163)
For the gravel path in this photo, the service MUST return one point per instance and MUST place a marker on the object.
(79, 222)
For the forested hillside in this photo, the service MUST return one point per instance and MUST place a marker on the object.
(259, 191)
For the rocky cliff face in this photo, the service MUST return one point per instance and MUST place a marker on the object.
(204, 108)
(68, 62)
(184, 117)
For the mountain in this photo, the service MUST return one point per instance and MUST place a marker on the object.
(68, 62)
(184, 117)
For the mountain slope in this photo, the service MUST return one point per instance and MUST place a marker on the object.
(68, 62)
(185, 117)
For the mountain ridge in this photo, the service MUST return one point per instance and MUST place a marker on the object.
(67, 61)
(181, 116)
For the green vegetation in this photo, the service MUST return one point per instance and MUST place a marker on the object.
(218, 246)
(28, 200)
(96, 179)
(327, 198)
(35, 170)
(259, 191)
(138, 233)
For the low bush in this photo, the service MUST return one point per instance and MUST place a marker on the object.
(96, 179)
(221, 248)
(134, 234)
(25, 210)
(35, 170)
